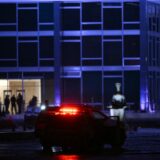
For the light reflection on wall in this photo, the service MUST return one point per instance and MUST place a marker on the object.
(143, 103)
(3, 86)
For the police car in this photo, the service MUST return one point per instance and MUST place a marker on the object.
(78, 126)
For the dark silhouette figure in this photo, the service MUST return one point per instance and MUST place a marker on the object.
(13, 104)
(46, 102)
(6, 103)
(33, 101)
(19, 102)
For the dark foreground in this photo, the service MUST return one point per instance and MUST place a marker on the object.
(143, 144)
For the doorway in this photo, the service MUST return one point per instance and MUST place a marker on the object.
(27, 87)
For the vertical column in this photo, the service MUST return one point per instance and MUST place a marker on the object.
(144, 56)
(57, 54)
(23, 92)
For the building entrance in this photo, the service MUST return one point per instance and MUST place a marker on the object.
(26, 87)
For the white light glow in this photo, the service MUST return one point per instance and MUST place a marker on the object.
(3, 83)
(43, 107)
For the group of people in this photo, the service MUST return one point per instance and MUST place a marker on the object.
(16, 104)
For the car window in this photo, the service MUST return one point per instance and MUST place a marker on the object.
(97, 115)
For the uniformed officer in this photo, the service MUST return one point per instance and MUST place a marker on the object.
(118, 103)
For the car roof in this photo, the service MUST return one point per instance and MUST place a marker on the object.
(84, 107)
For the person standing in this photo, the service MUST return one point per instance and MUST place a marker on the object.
(118, 103)
(19, 102)
(6, 103)
(13, 104)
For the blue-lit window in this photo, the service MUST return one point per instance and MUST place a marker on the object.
(91, 12)
(92, 62)
(8, 28)
(8, 63)
(7, 13)
(131, 26)
(71, 90)
(71, 53)
(70, 4)
(112, 18)
(112, 4)
(112, 53)
(70, 19)
(7, 47)
(44, 27)
(47, 63)
(46, 12)
(131, 11)
(46, 47)
(92, 93)
(132, 86)
(91, 27)
(28, 54)
(150, 44)
(132, 46)
(91, 46)
(27, 20)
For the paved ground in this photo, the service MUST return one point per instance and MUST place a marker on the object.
(144, 144)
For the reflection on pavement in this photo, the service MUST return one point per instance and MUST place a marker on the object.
(67, 157)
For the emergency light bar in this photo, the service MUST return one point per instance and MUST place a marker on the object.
(67, 111)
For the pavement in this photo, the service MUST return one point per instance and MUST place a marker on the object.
(13, 125)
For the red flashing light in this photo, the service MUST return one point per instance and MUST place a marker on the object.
(67, 111)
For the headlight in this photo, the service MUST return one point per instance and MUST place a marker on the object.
(43, 107)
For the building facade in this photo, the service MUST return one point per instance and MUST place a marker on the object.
(153, 56)
(75, 51)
